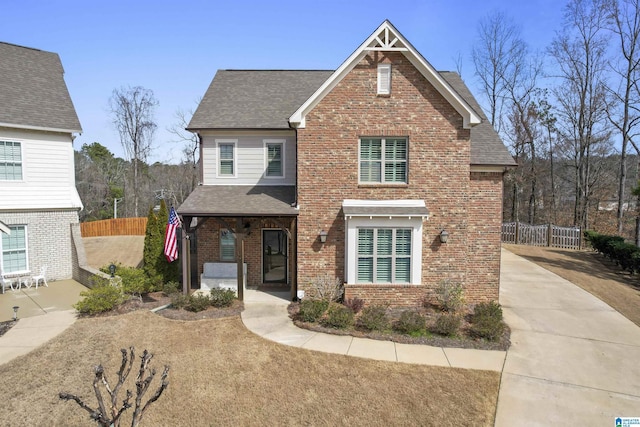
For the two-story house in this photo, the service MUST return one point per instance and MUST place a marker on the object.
(38, 197)
(383, 173)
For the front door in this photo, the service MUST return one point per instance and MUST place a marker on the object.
(274, 256)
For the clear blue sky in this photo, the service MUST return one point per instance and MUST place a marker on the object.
(175, 47)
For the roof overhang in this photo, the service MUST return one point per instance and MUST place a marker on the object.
(39, 128)
(387, 38)
(384, 208)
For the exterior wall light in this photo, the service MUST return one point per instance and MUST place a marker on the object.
(323, 236)
(444, 236)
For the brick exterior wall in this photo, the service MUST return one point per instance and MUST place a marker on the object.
(48, 240)
(439, 174)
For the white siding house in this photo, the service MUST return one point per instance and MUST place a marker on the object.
(38, 198)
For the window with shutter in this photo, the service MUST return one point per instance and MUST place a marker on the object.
(274, 159)
(227, 246)
(383, 160)
(384, 79)
(384, 255)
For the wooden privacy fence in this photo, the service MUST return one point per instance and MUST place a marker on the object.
(114, 227)
(541, 235)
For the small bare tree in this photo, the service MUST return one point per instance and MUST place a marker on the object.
(109, 413)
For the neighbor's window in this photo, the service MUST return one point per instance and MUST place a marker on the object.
(384, 79)
(227, 246)
(14, 249)
(275, 166)
(10, 161)
(383, 160)
(384, 255)
(226, 155)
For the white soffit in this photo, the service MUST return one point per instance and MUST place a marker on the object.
(385, 208)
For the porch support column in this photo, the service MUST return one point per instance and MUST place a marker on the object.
(240, 257)
(186, 262)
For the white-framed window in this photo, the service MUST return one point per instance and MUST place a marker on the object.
(226, 158)
(384, 79)
(274, 158)
(10, 161)
(383, 160)
(384, 255)
(14, 250)
(227, 246)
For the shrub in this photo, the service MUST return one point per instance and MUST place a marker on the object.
(327, 288)
(486, 321)
(374, 318)
(450, 296)
(222, 297)
(355, 304)
(338, 316)
(312, 309)
(411, 323)
(197, 303)
(179, 301)
(447, 324)
(170, 288)
(100, 298)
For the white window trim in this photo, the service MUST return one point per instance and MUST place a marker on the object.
(384, 79)
(351, 244)
(233, 142)
(382, 160)
(26, 252)
(265, 144)
(21, 142)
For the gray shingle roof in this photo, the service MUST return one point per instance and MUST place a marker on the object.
(255, 99)
(33, 92)
(240, 200)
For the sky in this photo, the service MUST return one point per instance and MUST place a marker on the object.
(175, 48)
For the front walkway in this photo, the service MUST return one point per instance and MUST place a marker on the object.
(573, 360)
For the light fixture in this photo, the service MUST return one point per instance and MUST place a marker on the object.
(444, 236)
(112, 270)
(323, 236)
(15, 312)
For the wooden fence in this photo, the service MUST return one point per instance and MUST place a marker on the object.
(114, 227)
(541, 235)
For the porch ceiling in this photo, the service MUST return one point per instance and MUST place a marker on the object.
(240, 200)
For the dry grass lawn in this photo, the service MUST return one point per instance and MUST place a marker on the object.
(592, 272)
(221, 374)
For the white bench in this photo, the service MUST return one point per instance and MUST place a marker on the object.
(221, 275)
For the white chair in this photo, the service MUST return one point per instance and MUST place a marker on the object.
(42, 276)
(6, 282)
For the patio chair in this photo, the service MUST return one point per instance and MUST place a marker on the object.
(6, 282)
(42, 276)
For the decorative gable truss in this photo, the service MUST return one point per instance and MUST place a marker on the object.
(388, 38)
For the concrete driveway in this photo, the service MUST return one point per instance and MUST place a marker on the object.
(573, 360)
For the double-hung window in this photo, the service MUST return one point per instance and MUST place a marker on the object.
(226, 158)
(384, 255)
(383, 160)
(274, 154)
(14, 249)
(10, 161)
(227, 246)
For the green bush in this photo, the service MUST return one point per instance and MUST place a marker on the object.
(222, 297)
(179, 301)
(312, 309)
(486, 321)
(374, 318)
(447, 324)
(338, 316)
(197, 303)
(102, 297)
(134, 280)
(355, 304)
(411, 323)
(171, 288)
(450, 296)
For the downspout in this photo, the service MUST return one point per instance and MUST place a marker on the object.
(294, 284)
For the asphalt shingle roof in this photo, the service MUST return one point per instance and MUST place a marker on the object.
(33, 92)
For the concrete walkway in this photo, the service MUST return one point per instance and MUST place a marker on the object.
(573, 359)
(266, 315)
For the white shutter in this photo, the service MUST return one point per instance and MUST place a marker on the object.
(384, 79)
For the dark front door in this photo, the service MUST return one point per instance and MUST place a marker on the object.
(274, 256)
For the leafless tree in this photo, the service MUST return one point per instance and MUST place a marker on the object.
(190, 148)
(133, 111)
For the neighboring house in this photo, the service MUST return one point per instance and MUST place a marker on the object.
(376, 159)
(38, 197)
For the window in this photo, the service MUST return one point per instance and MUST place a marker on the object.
(227, 246)
(10, 161)
(226, 158)
(384, 79)
(14, 249)
(274, 159)
(384, 255)
(383, 160)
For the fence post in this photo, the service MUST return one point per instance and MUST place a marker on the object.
(549, 234)
(517, 232)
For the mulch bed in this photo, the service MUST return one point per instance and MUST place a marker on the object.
(5, 326)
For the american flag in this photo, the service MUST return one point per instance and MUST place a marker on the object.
(170, 239)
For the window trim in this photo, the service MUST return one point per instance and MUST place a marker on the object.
(384, 79)
(234, 143)
(224, 233)
(14, 141)
(383, 161)
(26, 251)
(266, 143)
(376, 256)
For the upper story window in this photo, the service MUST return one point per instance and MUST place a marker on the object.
(274, 156)
(10, 161)
(384, 79)
(14, 249)
(226, 158)
(383, 160)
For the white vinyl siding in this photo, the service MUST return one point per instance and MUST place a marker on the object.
(10, 161)
(383, 160)
(384, 79)
(274, 158)
(384, 255)
(226, 158)
(227, 246)
(14, 250)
